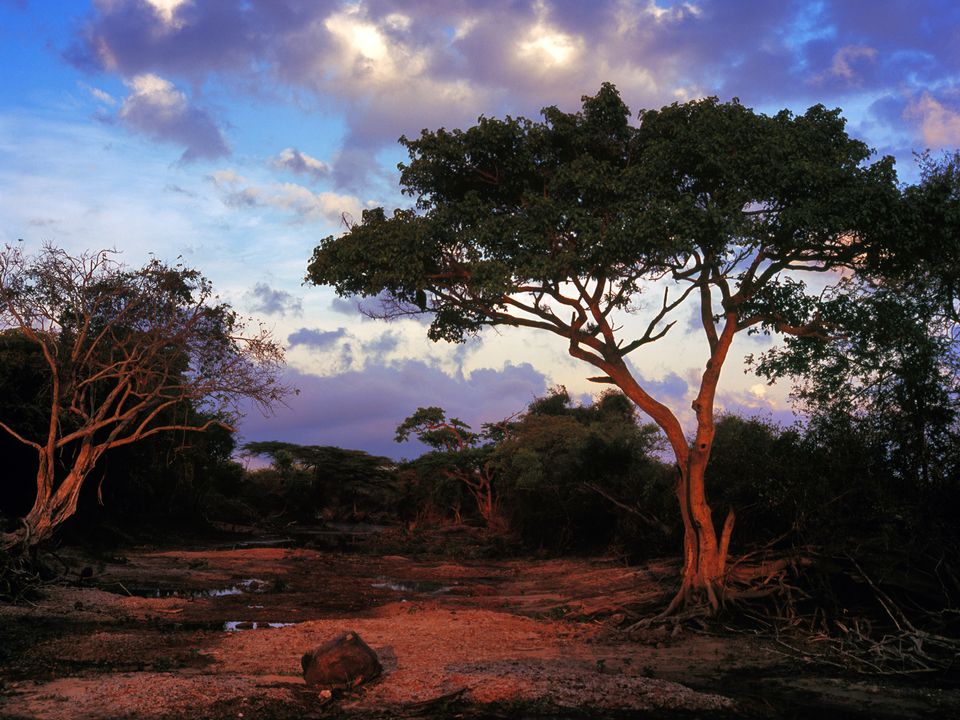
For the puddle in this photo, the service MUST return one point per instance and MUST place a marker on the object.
(240, 625)
(282, 542)
(244, 587)
(413, 586)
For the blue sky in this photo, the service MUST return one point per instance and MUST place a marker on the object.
(236, 133)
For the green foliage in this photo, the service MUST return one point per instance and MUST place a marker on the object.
(581, 477)
(927, 257)
(127, 354)
(432, 428)
(515, 206)
(761, 470)
(310, 481)
(459, 465)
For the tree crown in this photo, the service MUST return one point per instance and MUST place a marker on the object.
(521, 222)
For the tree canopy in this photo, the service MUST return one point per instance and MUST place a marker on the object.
(126, 354)
(598, 230)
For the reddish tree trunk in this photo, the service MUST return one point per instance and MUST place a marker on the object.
(52, 507)
(704, 553)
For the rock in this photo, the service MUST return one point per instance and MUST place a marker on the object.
(344, 662)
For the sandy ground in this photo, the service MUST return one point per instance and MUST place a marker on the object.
(172, 634)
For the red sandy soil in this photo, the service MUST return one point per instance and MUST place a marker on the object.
(518, 637)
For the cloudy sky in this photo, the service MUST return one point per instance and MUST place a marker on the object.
(238, 133)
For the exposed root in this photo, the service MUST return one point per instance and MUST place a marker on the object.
(891, 643)
(904, 649)
(20, 578)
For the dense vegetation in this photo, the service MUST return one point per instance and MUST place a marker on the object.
(870, 475)
(571, 224)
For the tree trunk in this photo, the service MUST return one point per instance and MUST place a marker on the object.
(51, 508)
(704, 554)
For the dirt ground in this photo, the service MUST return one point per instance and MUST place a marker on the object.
(219, 632)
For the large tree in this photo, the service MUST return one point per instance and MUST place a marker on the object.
(126, 354)
(598, 230)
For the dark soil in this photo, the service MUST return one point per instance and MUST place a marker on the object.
(218, 633)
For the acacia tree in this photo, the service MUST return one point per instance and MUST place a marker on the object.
(458, 453)
(127, 354)
(566, 226)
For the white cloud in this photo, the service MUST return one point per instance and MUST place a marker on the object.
(546, 47)
(369, 54)
(939, 126)
(166, 10)
(310, 205)
(758, 390)
(222, 178)
(100, 95)
(306, 204)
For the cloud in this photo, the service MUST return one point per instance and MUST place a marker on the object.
(395, 66)
(844, 61)
(345, 306)
(157, 109)
(266, 300)
(317, 339)
(100, 95)
(176, 189)
(379, 306)
(362, 409)
(938, 124)
(671, 390)
(166, 10)
(300, 163)
(289, 197)
(381, 346)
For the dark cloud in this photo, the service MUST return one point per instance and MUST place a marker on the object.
(380, 346)
(264, 299)
(345, 306)
(131, 37)
(319, 339)
(292, 160)
(362, 409)
(346, 356)
(356, 165)
(157, 109)
(671, 390)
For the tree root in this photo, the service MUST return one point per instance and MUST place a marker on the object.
(767, 578)
(19, 578)
(893, 643)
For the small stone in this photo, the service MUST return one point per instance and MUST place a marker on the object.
(344, 662)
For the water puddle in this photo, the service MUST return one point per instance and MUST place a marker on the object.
(281, 542)
(240, 625)
(244, 587)
(421, 587)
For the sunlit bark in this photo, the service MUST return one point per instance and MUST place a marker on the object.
(125, 352)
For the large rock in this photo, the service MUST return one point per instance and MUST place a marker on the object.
(344, 662)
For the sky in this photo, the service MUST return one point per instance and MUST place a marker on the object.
(233, 135)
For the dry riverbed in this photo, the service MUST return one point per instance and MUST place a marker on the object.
(218, 633)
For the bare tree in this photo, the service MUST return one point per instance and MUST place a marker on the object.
(129, 353)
